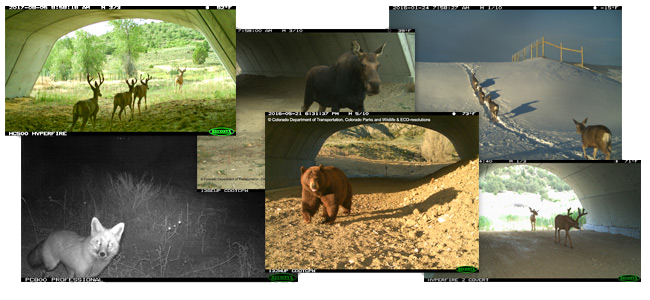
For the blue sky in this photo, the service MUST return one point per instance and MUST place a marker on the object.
(494, 36)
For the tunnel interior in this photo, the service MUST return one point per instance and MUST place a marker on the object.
(290, 145)
(609, 192)
(31, 34)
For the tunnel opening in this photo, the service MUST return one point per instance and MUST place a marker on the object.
(509, 195)
(390, 150)
(127, 48)
(48, 61)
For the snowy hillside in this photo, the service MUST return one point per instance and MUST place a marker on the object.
(537, 100)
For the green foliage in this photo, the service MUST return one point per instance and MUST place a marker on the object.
(128, 38)
(167, 35)
(59, 61)
(89, 57)
(200, 53)
(523, 179)
(484, 223)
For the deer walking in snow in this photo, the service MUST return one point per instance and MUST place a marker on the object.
(494, 108)
(474, 82)
(595, 136)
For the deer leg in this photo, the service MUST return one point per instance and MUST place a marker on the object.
(119, 115)
(584, 151)
(595, 152)
(83, 123)
(74, 121)
(570, 241)
(113, 115)
(93, 118)
(145, 102)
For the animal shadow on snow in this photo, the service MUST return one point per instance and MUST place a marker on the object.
(488, 82)
(522, 109)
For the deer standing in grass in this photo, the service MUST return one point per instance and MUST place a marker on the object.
(123, 100)
(179, 78)
(532, 218)
(88, 108)
(566, 222)
(595, 136)
(141, 91)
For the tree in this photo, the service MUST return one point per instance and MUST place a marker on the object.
(129, 41)
(89, 57)
(60, 59)
(200, 53)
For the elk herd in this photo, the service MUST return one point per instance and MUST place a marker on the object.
(87, 109)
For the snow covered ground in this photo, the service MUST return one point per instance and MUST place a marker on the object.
(537, 98)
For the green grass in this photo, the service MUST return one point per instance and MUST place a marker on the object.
(207, 99)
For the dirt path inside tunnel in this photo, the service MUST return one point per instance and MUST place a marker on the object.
(525, 254)
(428, 224)
(238, 162)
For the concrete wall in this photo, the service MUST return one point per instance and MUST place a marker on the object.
(610, 192)
(293, 54)
(30, 35)
(291, 145)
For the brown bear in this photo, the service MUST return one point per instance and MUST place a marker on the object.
(326, 185)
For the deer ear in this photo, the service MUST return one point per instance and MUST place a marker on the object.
(585, 121)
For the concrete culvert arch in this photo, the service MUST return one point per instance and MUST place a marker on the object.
(608, 246)
(30, 35)
(397, 220)
(288, 146)
(387, 150)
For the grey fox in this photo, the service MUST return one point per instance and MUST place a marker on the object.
(81, 256)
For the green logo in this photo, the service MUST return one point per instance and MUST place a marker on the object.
(629, 278)
(221, 131)
(283, 277)
(466, 269)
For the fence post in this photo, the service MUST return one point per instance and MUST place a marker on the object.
(524, 53)
(543, 42)
(561, 52)
(582, 57)
(531, 51)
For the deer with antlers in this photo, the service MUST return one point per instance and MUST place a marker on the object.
(141, 91)
(179, 78)
(532, 218)
(566, 222)
(124, 100)
(88, 108)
